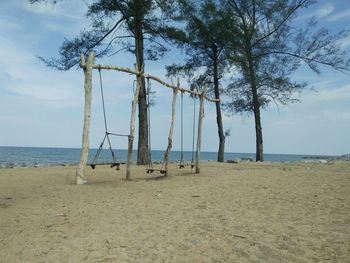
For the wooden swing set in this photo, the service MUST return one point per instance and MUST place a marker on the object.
(88, 65)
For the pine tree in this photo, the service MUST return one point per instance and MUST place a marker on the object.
(203, 35)
(267, 48)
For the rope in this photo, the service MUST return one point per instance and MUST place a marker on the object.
(99, 150)
(150, 164)
(110, 147)
(103, 100)
(104, 117)
(106, 127)
(193, 129)
(182, 129)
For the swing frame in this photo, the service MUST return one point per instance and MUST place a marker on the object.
(88, 65)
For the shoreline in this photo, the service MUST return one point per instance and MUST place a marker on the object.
(38, 157)
(306, 159)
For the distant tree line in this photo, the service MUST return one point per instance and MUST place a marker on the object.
(253, 44)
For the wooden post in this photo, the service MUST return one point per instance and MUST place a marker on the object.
(171, 130)
(87, 116)
(200, 122)
(132, 128)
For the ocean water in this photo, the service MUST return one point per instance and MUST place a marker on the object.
(37, 156)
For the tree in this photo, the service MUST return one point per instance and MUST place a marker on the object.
(267, 49)
(118, 25)
(204, 38)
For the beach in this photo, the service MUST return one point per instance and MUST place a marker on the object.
(231, 212)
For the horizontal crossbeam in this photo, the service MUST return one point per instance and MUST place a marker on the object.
(146, 75)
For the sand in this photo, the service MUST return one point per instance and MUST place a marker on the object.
(247, 212)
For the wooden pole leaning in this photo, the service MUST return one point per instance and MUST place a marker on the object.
(200, 123)
(87, 67)
(132, 129)
(171, 131)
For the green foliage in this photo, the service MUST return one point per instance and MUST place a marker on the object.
(201, 32)
(268, 48)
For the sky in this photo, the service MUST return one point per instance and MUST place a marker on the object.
(43, 107)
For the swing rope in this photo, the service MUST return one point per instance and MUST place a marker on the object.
(181, 165)
(193, 130)
(105, 118)
(114, 162)
(150, 164)
(103, 100)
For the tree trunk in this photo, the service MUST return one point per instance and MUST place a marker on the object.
(258, 128)
(142, 149)
(221, 134)
(87, 116)
(256, 109)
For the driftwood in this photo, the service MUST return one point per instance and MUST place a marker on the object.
(132, 129)
(171, 130)
(200, 122)
(87, 117)
(146, 75)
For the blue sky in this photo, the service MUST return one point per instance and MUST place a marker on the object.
(43, 107)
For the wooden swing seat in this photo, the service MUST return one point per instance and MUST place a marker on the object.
(114, 164)
(184, 165)
(151, 170)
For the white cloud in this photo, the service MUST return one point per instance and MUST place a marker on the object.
(66, 9)
(323, 11)
(321, 107)
(339, 16)
(337, 115)
(68, 30)
(331, 116)
(345, 42)
(66, 17)
(329, 95)
(286, 123)
(23, 75)
(9, 23)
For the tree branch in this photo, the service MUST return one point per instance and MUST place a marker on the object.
(105, 35)
(305, 59)
(283, 21)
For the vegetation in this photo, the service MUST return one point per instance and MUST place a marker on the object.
(267, 49)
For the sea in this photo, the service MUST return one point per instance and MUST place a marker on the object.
(41, 156)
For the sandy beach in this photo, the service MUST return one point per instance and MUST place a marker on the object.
(246, 212)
